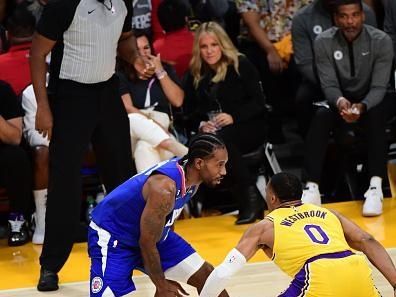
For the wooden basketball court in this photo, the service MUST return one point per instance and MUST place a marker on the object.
(213, 237)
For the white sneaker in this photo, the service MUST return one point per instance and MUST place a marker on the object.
(373, 204)
(311, 195)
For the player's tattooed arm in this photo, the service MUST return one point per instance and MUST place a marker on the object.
(159, 193)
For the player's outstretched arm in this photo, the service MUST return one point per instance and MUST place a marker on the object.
(360, 240)
(159, 193)
(247, 247)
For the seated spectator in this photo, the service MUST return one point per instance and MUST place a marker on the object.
(353, 62)
(39, 145)
(308, 23)
(265, 39)
(390, 21)
(176, 45)
(223, 96)
(148, 103)
(15, 171)
(15, 68)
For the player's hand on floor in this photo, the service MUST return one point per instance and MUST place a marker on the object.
(171, 289)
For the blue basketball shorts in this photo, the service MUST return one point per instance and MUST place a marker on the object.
(112, 262)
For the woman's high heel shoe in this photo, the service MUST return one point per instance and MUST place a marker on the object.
(252, 207)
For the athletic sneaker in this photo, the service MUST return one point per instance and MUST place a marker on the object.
(373, 204)
(311, 195)
(17, 230)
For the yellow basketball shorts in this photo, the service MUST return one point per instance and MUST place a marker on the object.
(342, 274)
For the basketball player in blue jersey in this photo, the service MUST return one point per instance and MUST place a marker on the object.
(313, 245)
(132, 228)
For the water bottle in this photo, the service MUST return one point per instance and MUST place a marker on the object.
(90, 207)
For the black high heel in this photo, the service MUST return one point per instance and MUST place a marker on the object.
(252, 208)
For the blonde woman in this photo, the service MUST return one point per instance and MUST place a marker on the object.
(148, 103)
(223, 96)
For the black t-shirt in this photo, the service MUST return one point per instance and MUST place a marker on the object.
(138, 89)
(10, 107)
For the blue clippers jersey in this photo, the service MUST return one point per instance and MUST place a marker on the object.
(120, 212)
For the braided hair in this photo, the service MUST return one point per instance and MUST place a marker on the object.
(202, 146)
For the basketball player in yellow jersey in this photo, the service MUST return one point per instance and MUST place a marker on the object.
(311, 244)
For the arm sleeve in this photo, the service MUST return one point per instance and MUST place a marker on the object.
(390, 22)
(326, 72)
(303, 49)
(128, 19)
(218, 279)
(254, 94)
(380, 73)
(56, 18)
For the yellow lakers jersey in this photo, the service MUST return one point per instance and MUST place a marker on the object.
(302, 232)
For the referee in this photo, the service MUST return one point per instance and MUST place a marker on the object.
(81, 105)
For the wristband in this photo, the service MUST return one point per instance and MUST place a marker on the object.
(161, 74)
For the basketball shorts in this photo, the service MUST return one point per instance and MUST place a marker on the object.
(333, 275)
(113, 262)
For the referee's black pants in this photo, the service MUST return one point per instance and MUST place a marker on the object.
(82, 113)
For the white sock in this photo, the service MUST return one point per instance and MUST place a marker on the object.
(40, 200)
(312, 185)
(376, 182)
(40, 196)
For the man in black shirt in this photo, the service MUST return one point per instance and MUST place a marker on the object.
(82, 105)
(15, 171)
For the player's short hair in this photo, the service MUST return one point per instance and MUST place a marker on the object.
(338, 3)
(286, 186)
(203, 145)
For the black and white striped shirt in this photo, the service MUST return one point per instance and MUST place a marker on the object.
(87, 34)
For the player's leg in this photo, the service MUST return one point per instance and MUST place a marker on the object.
(182, 263)
(112, 264)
